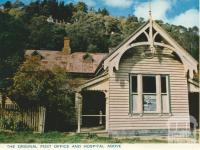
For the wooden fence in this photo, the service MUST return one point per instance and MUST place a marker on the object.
(34, 117)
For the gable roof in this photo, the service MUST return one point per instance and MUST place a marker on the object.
(75, 62)
(150, 29)
(72, 63)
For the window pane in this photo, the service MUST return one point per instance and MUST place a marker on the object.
(149, 102)
(134, 84)
(149, 84)
(163, 84)
(135, 103)
(165, 103)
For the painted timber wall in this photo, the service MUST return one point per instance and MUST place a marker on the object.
(164, 62)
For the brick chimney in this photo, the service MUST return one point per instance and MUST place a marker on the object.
(66, 48)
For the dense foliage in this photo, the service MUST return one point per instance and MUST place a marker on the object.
(89, 29)
(13, 34)
(34, 85)
(44, 35)
(26, 27)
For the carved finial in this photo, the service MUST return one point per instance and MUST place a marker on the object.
(151, 39)
(150, 15)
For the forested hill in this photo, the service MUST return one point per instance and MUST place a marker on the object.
(26, 27)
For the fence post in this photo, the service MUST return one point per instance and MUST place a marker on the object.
(42, 112)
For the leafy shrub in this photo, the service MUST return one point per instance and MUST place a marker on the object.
(21, 126)
(48, 88)
(7, 123)
(10, 124)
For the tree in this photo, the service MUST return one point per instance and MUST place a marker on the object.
(103, 11)
(188, 38)
(57, 9)
(130, 25)
(32, 10)
(69, 8)
(34, 85)
(115, 39)
(132, 19)
(7, 5)
(112, 24)
(81, 6)
(12, 43)
(16, 12)
(87, 29)
(18, 4)
(44, 35)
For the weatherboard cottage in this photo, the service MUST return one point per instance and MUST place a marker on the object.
(140, 85)
(136, 88)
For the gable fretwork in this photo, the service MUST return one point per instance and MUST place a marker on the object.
(152, 36)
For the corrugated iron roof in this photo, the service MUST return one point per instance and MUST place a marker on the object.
(78, 62)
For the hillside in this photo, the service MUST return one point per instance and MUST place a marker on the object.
(43, 24)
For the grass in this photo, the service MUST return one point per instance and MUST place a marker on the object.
(58, 137)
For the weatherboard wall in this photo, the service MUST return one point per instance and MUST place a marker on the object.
(162, 64)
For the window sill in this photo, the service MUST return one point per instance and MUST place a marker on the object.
(150, 114)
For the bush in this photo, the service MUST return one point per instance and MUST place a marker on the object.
(61, 117)
(7, 123)
(33, 86)
(21, 126)
(10, 124)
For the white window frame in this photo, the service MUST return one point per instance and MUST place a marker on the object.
(132, 103)
(139, 109)
(167, 94)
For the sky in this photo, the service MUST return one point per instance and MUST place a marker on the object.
(177, 12)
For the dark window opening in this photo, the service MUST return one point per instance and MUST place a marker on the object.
(134, 84)
(149, 84)
(163, 84)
